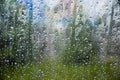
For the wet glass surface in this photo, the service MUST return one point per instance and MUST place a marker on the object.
(59, 40)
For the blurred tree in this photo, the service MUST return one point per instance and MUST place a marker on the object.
(81, 47)
(112, 23)
(16, 33)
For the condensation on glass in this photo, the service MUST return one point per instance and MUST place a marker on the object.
(59, 39)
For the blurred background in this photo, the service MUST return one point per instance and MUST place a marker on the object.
(59, 40)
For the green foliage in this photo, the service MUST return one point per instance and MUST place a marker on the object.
(15, 35)
(50, 70)
(80, 47)
(2, 1)
(82, 50)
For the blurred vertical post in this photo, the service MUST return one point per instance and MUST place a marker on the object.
(73, 28)
(110, 28)
(29, 5)
(30, 51)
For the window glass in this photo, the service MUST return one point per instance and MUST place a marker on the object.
(59, 39)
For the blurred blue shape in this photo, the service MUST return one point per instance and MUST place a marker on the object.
(41, 12)
(66, 20)
(29, 5)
